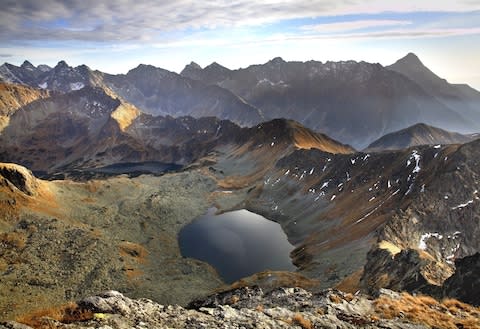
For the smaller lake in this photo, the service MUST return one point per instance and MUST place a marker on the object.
(237, 243)
(138, 168)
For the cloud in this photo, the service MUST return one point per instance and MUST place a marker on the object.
(353, 25)
(5, 55)
(146, 21)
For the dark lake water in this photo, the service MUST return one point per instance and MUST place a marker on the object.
(132, 169)
(149, 167)
(237, 244)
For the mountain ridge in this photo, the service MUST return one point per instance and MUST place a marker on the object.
(418, 134)
(354, 102)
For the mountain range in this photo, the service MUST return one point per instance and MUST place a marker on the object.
(279, 139)
(353, 102)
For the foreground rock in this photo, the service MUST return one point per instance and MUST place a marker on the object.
(256, 308)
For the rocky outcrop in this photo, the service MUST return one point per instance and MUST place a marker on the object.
(437, 225)
(405, 270)
(19, 177)
(464, 284)
(241, 308)
(13, 97)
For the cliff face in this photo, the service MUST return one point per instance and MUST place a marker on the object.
(465, 283)
(436, 228)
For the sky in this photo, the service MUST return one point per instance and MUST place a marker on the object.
(116, 36)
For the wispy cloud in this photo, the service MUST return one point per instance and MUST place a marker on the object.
(144, 21)
(353, 25)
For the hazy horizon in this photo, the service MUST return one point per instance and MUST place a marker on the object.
(117, 36)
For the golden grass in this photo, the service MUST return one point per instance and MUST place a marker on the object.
(133, 250)
(125, 114)
(387, 245)
(133, 273)
(306, 139)
(298, 319)
(13, 239)
(335, 299)
(234, 299)
(274, 279)
(448, 314)
(65, 314)
(350, 284)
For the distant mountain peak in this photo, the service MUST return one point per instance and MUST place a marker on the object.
(44, 68)
(216, 66)
(277, 60)
(145, 67)
(193, 65)
(418, 134)
(410, 60)
(62, 63)
(420, 125)
(28, 66)
(61, 66)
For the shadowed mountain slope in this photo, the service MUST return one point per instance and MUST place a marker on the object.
(419, 134)
(354, 102)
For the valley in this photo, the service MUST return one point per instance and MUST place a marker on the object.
(124, 163)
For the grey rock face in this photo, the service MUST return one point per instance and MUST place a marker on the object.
(465, 283)
(241, 308)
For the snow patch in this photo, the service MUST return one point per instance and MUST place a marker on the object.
(76, 86)
(422, 244)
(43, 85)
(377, 207)
(414, 157)
(463, 205)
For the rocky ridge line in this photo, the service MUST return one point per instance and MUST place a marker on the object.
(240, 308)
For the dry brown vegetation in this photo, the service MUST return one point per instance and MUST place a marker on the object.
(298, 319)
(448, 314)
(307, 139)
(133, 255)
(133, 250)
(351, 283)
(65, 314)
(273, 279)
(335, 299)
(13, 240)
(260, 308)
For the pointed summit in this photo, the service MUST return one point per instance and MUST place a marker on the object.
(191, 70)
(44, 68)
(418, 134)
(410, 62)
(28, 66)
(61, 65)
(216, 66)
(277, 61)
(411, 67)
(194, 65)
